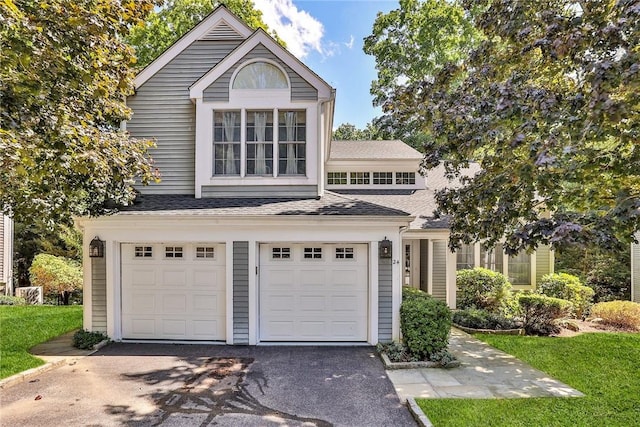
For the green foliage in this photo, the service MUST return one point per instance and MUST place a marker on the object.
(65, 74)
(607, 272)
(483, 319)
(410, 44)
(482, 288)
(602, 366)
(548, 104)
(85, 340)
(164, 26)
(541, 313)
(33, 237)
(348, 132)
(56, 275)
(22, 327)
(397, 352)
(425, 323)
(623, 314)
(567, 287)
(11, 300)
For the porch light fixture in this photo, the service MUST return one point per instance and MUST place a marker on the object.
(385, 248)
(96, 248)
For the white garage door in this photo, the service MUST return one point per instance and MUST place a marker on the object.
(313, 292)
(173, 291)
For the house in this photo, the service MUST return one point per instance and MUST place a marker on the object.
(635, 271)
(6, 255)
(263, 229)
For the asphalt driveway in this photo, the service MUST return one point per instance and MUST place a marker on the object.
(203, 385)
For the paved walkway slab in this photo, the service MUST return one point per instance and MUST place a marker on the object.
(484, 373)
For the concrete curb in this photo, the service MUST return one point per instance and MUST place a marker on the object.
(29, 373)
(389, 365)
(34, 372)
(417, 413)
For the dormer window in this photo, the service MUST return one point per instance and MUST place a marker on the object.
(292, 135)
(259, 142)
(260, 75)
(226, 142)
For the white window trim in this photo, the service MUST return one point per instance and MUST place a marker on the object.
(419, 180)
(251, 92)
(204, 141)
(505, 265)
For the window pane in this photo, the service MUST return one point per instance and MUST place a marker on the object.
(520, 269)
(405, 178)
(336, 178)
(259, 126)
(259, 159)
(359, 178)
(383, 178)
(260, 75)
(292, 133)
(491, 258)
(464, 257)
(226, 143)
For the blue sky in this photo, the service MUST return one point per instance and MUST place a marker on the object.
(327, 35)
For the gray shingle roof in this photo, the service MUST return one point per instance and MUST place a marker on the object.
(372, 150)
(331, 204)
(419, 203)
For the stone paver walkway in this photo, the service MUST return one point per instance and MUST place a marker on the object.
(59, 348)
(484, 373)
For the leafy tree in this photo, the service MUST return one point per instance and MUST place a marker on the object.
(65, 74)
(176, 17)
(56, 275)
(348, 132)
(549, 105)
(607, 272)
(33, 237)
(410, 44)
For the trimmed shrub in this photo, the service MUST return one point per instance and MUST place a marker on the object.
(397, 352)
(425, 323)
(85, 340)
(9, 300)
(57, 275)
(567, 287)
(482, 319)
(541, 313)
(623, 314)
(483, 289)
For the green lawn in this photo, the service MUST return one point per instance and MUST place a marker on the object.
(22, 327)
(605, 367)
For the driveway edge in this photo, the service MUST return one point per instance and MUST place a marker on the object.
(417, 413)
(29, 373)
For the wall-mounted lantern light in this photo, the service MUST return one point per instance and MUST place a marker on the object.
(385, 248)
(96, 248)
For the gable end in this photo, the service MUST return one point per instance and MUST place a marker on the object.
(222, 31)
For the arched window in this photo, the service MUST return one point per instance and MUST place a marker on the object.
(260, 75)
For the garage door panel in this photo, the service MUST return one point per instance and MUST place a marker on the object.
(312, 278)
(175, 328)
(174, 278)
(142, 278)
(313, 299)
(173, 303)
(180, 299)
(312, 303)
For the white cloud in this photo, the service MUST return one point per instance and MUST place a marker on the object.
(349, 44)
(300, 31)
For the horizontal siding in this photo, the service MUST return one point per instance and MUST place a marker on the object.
(260, 191)
(241, 292)
(543, 262)
(385, 300)
(439, 287)
(99, 294)
(2, 243)
(162, 110)
(635, 272)
(301, 90)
